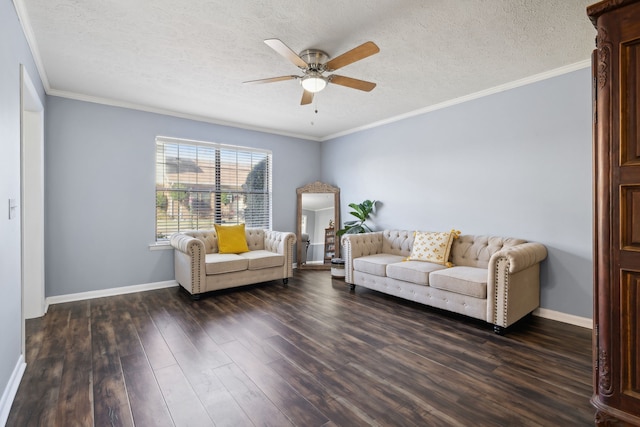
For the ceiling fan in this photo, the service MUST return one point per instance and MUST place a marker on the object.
(314, 62)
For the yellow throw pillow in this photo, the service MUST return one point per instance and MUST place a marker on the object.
(231, 239)
(433, 246)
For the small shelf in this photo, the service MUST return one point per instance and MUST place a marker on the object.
(329, 244)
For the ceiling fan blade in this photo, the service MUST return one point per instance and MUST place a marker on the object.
(284, 50)
(352, 83)
(356, 54)
(307, 97)
(271, 79)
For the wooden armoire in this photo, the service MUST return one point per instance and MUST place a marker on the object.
(616, 125)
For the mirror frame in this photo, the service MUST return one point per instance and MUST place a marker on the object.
(317, 187)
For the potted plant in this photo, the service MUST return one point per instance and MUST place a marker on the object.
(361, 211)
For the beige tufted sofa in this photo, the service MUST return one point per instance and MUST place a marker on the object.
(199, 268)
(495, 279)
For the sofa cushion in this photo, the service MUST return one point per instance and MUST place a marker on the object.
(231, 239)
(375, 264)
(412, 271)
(224, 263)
(470, 281)
(263, 259)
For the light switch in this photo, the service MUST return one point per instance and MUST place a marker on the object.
(13, 208)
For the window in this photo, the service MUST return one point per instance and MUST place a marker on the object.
(199, 184)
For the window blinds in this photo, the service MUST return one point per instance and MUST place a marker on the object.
(199, 184)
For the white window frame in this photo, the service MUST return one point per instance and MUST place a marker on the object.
(211, 192)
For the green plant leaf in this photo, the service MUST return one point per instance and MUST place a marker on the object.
(355, 230)
(358, 215)
(362, 212)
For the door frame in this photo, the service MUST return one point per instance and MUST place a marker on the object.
(31, 201)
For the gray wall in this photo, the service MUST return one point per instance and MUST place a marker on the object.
(100, 199)
(516, 163)
(13, 52)
(311, 230)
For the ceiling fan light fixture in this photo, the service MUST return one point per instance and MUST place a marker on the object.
(313, 82)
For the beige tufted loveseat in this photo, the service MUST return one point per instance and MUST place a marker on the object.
(199, 268)
(495, 279)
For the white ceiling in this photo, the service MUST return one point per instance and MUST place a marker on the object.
(189, 57)
(317, 201)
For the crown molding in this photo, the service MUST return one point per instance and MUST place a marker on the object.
(23, 17)
(491, 91)
(148, 109)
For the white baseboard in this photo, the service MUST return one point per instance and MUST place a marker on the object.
(110, 292)
(583, 322)
(10, 391)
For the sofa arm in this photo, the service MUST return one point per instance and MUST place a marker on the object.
(513, 290)
(189, 262)
(357, 245)
(186, 244)
(521, 257)
(281, 242)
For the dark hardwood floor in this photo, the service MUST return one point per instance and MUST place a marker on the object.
(310, 354)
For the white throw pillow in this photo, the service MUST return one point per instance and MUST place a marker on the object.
(433, 246)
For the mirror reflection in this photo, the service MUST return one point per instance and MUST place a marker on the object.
(317, 224)
(317, 219)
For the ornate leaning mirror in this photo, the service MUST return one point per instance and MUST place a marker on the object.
(317, 222)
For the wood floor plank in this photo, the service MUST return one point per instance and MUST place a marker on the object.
(213, 321)
(379, 404)
(147, 403)
(182, 400)
(307, 361)
(55, 330)
(36, 402)
(191, 328)
(431, 394)
(216, 399)
(337, 408)
(242, 324)
(258, 407)
(170, 331)
(111, 403)
(127, 339)
(313, 353)
(34, 337)
(157, 351)
(76, 386)
(287, 399)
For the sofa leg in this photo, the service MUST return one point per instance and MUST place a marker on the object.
(499, 329)
(352, 286)
(285, 281)
(196, 297)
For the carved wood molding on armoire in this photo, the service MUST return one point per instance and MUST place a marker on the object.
(616, 151)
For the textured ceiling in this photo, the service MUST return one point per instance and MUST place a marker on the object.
(190, 57)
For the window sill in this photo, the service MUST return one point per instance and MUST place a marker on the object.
(160, 246)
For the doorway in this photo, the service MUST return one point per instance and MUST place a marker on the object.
(32, 199)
